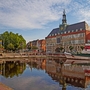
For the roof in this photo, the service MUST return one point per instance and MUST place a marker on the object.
(56, 30)
(74, 27)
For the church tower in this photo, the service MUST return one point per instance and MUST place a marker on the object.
(64, 22)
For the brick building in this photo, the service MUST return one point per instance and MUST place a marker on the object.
(76, 35)
(40, 44)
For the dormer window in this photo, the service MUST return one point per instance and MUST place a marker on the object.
(52, 34)
(55, 34)
(68, 31)
(61, 32)
(76, 30)
(72, 30)
(80, 29)
(65, 32)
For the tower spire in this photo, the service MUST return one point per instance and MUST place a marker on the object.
(64, 12)
(64, 21)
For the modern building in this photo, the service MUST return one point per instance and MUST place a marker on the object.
(75, 35)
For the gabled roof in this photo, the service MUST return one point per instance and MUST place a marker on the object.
(74, 27)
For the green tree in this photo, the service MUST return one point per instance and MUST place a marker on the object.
(71, 48)
(10, 46)
(59, 49)
(29, 47)
(16, 40)
(1, 48)
(82, 47)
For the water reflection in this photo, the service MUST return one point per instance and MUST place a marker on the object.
(12, 68)
(67, 74)
(64, 74)
(37, 63)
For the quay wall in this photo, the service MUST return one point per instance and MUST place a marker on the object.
(19, 55)
(27, 55)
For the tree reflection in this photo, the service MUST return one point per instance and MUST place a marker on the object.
(32, 64)
(11, 68)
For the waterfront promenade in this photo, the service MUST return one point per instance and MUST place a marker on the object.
(66, 59)
(29, 55)
(19, 55)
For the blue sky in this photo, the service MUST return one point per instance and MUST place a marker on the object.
(34, 19)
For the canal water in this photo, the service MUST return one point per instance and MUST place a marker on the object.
(43, 74)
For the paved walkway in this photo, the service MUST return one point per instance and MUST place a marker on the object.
(4, 87)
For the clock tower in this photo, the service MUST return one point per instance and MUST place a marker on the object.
(64, 22)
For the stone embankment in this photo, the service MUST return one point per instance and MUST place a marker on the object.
(69, 56)
(19, 55)
(28, 55)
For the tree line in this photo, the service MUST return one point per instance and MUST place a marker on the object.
(12, 41)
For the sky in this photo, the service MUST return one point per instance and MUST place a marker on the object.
(35, 19)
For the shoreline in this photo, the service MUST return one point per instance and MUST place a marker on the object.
(4, 87)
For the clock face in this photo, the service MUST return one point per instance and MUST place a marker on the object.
(61, 28)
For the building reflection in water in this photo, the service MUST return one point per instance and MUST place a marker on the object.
(63, 73)
(67, 74)
(38, 63)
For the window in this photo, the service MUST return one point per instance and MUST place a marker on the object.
(72, 30)
(58, 40)
(65, 32)
(76, 30)
(88, 41)
(68, 31)
(55, 34)
(80, 29)
(61, 32)
(50, 35)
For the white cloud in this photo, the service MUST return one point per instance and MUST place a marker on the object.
(34, 14)
(30, 13)
(31, 83)
(81, 9)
